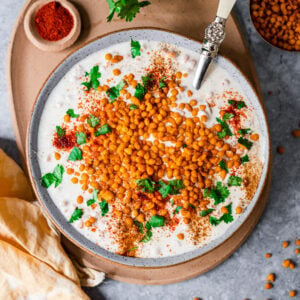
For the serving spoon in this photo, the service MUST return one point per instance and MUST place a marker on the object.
(214, 36)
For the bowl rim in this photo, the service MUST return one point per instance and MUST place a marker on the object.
(45, 45)
(75, 236)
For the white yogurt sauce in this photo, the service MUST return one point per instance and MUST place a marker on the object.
(65, 96)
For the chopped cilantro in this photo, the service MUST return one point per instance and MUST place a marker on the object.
(206, 212)
(161, 83)
(133, 106)
(139, 92)
(146, 185)
(147, 79)
(125, 9)
(80, 138)
(60, 132)
(192, 206)
(147, 237)
(71, 113)
(77, 214)
(148, 226)
(244, 131)
(90, 202)
(245, 143)
(172, 202)
(103, 130)
(139, 225)
(219, 194)
(225, 129)
(95, 198)
(176, 211)
(157, 221)
(223, 165)
(94, 76)
(184, 146)
(54, 177)
(133, 248)
(244, 159)
(104, 207)
(93, 121)
(172, 188)
(237, 104)
(227, 218)
(135, 48)
(227, 116)
(75, 154)
(234, 181)
(114, 92)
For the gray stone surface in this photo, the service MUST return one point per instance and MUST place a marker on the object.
(242, 275)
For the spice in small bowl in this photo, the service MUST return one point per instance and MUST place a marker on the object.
(52, 25)
(278, 22)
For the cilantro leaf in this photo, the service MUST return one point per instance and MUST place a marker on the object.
(60, 132)
(93, 121)
(206, 212)
(104, 207)
(245, 143)
(227, 116)
(147, 237)
(214, 221)
(114, 92)
(77, 214)
(95, 198)
(176, 211)
(103, 130)
(90, 202)
(80, 138)
(54, 177)
(75, 154)
(148, 226)
(71, 113)
(139, 92)
(234, 181)
(184, 146)
(225, 129)
(237, 104)
(146, 185)
(93, 80)
(147, 79)
(133, 248)
(133, 106)
(244, 159)
(227, 218)
(161, 83)
(219, 194)
(135, 48)
(242, 131)
(192, 206)
(172, 188)
(157, 221)
(223, 165)
(139, 225)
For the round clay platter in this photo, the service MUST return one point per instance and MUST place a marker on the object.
(54, 213)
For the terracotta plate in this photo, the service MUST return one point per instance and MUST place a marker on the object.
(55, 214)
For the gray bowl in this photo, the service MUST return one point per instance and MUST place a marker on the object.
(32, 146)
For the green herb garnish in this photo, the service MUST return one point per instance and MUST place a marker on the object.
(225, 129)
(135, 48)
(139, 225)
(227, 218)
(93, 121)
(157, 221)
(219, 194)
(133, 106)
(242, 131)
(245, 143)
(140, 92)
(71, 113)
(234, 181)
(80, 138)
(147, 237)
(227, 116)
(176, 211)
(94, 76)
(103, 130)
(114, 92)
(133, 248)
(54, 177)
(244, 159)
(206, 212)
(125, 9)
(184, 146)
(237, 104)
(223, 165)
(104, 207)
(60, 132)
(75, 154)
(146, 185)
(161, 83)
(192, 206)
(77, 214)
(95, 198)
(147, 79)
(171, 188)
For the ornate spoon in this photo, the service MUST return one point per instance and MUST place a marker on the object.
(214, 36)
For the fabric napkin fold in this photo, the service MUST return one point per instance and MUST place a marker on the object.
(33, 264)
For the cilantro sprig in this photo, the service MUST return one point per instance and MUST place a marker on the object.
(139, 225)
(237, 104)
(71, 113)
(53, 178)
(75, 154)
(219, 193)
(140, 92)
(227, 218)
(146, 185)
(133, 106)
(161, 82)
(245, 143)
(60, 131)
(114, 92)
(94, 76)
(171, 188)
(94, 199)
(135, 47)
(80, 138)
(93, 121)
(225, 129)
(206, 212)
(244, 131)
(104, 207)
(244, 159)
(77, 214)
(103, 130)
(176, 211)
(223, 165)
(234, 181)
(125, 9)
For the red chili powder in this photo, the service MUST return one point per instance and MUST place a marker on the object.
(53, 22)
(64, 142)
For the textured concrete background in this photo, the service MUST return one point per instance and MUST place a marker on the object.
(242, 275)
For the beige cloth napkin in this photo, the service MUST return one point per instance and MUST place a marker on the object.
(33, 263)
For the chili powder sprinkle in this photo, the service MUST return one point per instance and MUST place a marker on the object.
(53, 22)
